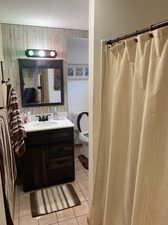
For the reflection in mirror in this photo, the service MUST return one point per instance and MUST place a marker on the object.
(41, 86)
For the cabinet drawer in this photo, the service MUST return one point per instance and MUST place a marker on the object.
(50, 137)
(59, 150)
(61, 175)
(60, 163)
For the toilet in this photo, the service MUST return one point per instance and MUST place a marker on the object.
(82, 124)
(84, 138)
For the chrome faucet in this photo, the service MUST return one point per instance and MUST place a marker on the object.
(43, 117)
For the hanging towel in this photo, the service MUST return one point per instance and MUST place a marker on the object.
(17, 132)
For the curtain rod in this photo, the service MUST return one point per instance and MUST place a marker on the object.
(144, 30)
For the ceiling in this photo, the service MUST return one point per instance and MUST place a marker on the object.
(73, 14)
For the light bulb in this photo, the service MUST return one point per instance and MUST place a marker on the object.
(41, 53)
(52, 54)
(30, 53)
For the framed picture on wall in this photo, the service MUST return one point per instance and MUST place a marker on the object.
(86, 71)
(78, 71)
(70, 71)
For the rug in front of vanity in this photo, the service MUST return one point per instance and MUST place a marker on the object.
(53, 199)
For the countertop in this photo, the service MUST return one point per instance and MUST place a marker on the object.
(35, 126)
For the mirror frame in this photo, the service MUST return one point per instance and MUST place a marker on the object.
(41, 63)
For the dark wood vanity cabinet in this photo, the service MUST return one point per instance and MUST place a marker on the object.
(49, 158)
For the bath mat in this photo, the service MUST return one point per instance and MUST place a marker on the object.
(53, 199)
(84, 161)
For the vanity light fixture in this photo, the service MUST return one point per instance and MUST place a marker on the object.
(41, 53)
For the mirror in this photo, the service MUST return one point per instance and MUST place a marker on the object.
(41, 82)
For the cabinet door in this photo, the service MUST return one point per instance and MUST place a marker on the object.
(34, 168)
(49, 159)
(60, 170)
(60, 163)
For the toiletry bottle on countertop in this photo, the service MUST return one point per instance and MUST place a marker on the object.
(25, 118)
(55, 115)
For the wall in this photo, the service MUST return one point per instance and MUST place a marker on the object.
(1, 46)
(109, 19)
(16, 38)
(78, 90)
(77, 50)
(1, 49)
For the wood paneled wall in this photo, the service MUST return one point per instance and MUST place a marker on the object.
(1, 50)
(17, 38)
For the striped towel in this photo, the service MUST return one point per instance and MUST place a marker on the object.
(17, 132)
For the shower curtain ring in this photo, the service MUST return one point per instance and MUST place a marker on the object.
(151, 35)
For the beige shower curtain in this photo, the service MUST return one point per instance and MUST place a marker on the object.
(131, 181)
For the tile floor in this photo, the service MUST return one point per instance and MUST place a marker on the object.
(73, 216)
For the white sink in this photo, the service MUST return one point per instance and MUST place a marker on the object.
(44, 123)
(47, 125)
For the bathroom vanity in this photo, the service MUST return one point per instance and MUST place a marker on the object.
(49, 156)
